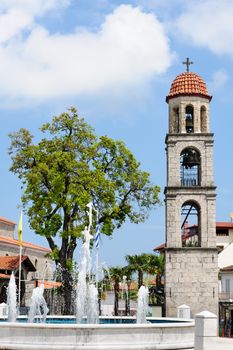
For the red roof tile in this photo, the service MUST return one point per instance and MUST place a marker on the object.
(6, 221)
(160, 247)
(132, 286)
(188, 83)
(11, 262)
(3, 276)
(224, 224)
(49, 284)
(15, 242)
(227, 268)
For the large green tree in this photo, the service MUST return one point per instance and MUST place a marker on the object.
(69, 167)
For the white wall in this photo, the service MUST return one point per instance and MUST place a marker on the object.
(225, 240)
(225, 258)
(224, 277)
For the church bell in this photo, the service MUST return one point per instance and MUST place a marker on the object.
(190, 159)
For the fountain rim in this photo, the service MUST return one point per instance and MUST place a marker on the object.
(175, 322)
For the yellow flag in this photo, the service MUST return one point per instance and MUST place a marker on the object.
(231, 215)
(20, 229)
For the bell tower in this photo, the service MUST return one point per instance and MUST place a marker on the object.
(191, 270)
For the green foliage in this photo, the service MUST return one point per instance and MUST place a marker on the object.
(69, 167)
(146, 263)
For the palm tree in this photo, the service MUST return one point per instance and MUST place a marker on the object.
(116, 274)
(149, 263)
(127, 273)
(160, 266)
(154, 265)
(139, 264)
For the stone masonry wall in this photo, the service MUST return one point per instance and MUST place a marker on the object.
(205, 198)
(7, 230)
(176, 143)
(191, 279)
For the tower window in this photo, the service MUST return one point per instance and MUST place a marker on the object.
(176, 114)
(203, 119)
(190, 225)
(190, 166)
(189, 119)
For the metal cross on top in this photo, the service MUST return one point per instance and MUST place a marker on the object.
(187, 62)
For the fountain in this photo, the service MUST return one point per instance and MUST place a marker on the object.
(118, 333)
(93, 307)
(87, 292)
(142, 308)
(11, 299)
(38, 305)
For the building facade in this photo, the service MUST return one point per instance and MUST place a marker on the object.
(37, 255)
(191, 269)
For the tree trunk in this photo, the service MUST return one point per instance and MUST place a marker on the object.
(99, 301)
(158, 280)
(127, 300)
(67, 286)
(116, 301)
(140, 278)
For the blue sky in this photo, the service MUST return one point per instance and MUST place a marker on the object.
(115, 61)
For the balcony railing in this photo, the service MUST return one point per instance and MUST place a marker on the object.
(189, 182)
(226, 296)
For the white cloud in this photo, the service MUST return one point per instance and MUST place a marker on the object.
(17, 15)
(208, 23)
(129, 49)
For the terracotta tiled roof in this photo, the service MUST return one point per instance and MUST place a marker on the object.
(11, 262)
(227, 268)
(224, 224)
(3, 276)
(49, 284)
(188, 83)
(132, 286)
(6, 221)
(160, 247)
(15, 242)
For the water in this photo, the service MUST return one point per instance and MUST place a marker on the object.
(102, 320)
(142, 308)
(93, 306)
(86, 292)
(38, 305)
(11, 300)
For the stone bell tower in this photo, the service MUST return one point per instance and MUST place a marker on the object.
(191, 272)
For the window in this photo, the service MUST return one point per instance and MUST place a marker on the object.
(222, 232)
(190, 224)
(190, 166)
(176, 117)
(189, 119)
(203, 119)
(228, 285)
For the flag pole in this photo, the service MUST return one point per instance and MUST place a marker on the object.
(20, 229)
(20, 261)
(97, 247)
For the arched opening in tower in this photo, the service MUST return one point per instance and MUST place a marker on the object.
(176, 120)
(190, 224)
(189, 119)
(190, 167)
(203, 119)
